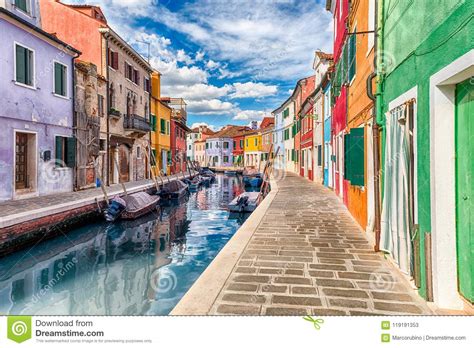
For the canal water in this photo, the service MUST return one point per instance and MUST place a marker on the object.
(141, 267)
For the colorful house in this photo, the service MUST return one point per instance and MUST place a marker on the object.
(161, 127)
(303, 144)
(266, 132)
(426, 221)
(219, 147)
(239, 147)
(178, 134)
(321, 64)
(197, 133)
(285, 130)
(328, 151)
(278, 139)
(200, 152)
(252, 148)
(38, 144)
(339, 9)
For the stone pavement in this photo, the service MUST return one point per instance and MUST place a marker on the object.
(308, 256)
(30, 204)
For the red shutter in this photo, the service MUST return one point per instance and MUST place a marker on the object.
(115, 60)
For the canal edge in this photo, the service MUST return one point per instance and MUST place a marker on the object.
(200, 298)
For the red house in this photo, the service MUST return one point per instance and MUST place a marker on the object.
(238, 149)
(304, 88)
(178, 131)
(340, 10)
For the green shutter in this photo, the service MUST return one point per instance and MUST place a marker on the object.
(162, 126)
(71, 152)
(21, 64)
(58, 79)
(22, 5)
(352, 55)
(356, 155)
(347, 159)
(59, 150)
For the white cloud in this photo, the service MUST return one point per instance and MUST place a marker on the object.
(249, 115)
(212, 64)
(198, 91)
(210, 107)
(252, 90)
(199, 56)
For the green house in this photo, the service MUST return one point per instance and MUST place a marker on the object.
(425, 106)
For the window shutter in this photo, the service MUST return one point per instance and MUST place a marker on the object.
(357, 156)
(347, 164)
(352, 56)
(71, 152)
(58, 79)
(59, 149)
(21, 64)
(115, 60)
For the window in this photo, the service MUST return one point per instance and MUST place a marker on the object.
(100, 105)
(146, 85)
(162, 126)
(139, 152)
(286, 113)
(23, 5)
(136, 77)
(113, 59)
(226, 159)
(320, 155)
(255, 141)
(60, 79)
(241, 143)
(153, 122)
(352, 56)
(65, 151)
(167, 127)
(246, 142)
(24, 65)
(354, 156)
(226, 145)
(207, 146)
(128, 71)
(102, 145)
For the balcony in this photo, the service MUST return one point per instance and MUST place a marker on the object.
(114, 114)
(136, 124)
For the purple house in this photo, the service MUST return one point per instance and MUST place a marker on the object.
(37, 144)
(219, 147)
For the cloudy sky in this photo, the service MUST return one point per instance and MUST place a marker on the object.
(233, 61)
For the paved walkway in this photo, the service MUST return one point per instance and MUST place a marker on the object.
(45, 204)
(308, 256)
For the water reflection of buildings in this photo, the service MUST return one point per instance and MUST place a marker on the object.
(230, 187)
(104, 269)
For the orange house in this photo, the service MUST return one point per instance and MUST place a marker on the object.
(56, 18)
(360, 108)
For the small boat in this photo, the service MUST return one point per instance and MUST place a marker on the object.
(195, 183)
(207, 173)
(174, 190)
(253, 180)
(131, 206)
(206, 180)
(246, 202)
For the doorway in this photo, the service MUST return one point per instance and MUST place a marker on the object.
(464, 123)
(25, 163)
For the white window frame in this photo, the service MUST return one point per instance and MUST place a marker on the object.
(16, 43)
(28, 12)
(54, 80)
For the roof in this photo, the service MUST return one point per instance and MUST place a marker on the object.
(40, 31)
(230, 131)
(292, 96)
(267, 122)
(323, 55)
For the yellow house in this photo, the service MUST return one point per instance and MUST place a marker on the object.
(252, 148)
(160, 122)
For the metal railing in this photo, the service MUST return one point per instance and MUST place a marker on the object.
(136, 123)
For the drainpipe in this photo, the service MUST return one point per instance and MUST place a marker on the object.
(378, 119)
(74, 114)
(109, 102)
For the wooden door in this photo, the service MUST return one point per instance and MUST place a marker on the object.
(21, 161)
(465, 188)
(124, 163)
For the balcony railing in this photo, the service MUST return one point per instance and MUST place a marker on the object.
(136, 123)
(113, 113)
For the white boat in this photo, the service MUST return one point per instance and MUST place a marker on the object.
(246, 202)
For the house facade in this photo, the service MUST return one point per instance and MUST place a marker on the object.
(200, 152)
(339, 9)
(328, 151)
(37, 146)
(179, 130)
(220, 146)
(161, 127)
(429, 116)
(266, 132)
(252, 149)
(278, 141)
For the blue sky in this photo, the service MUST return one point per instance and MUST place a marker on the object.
(233, 61)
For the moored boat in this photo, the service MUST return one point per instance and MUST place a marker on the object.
(131, 206)
(246, 202)
(174, 190)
